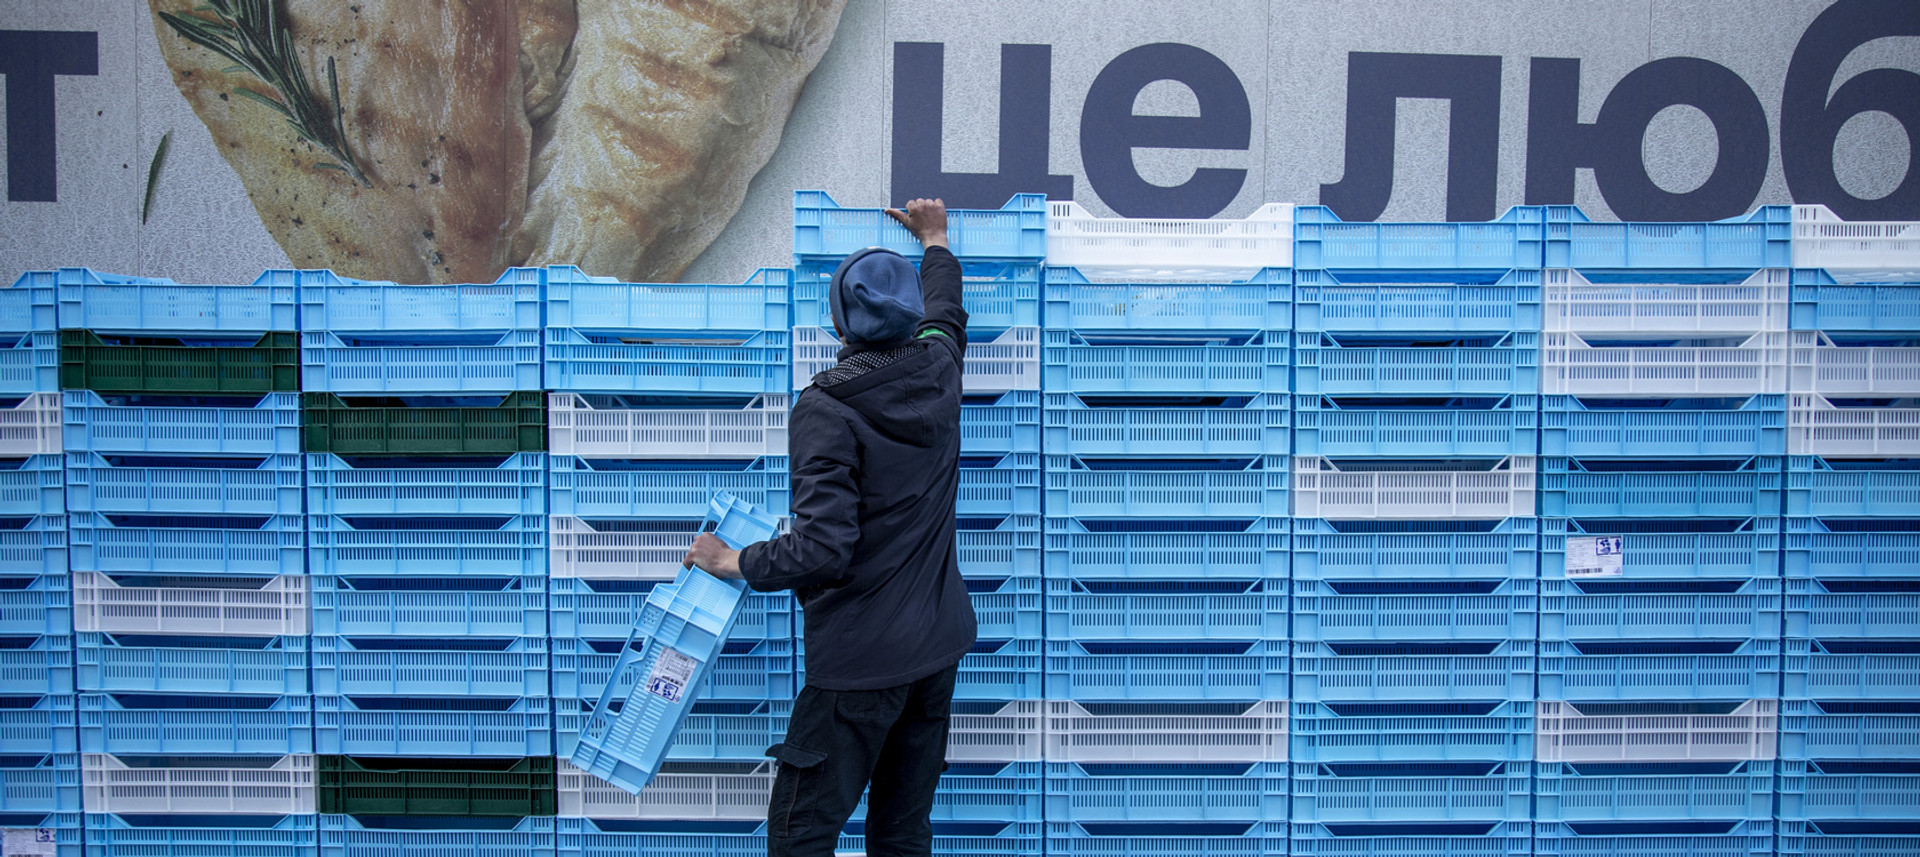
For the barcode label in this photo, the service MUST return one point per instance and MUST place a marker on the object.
(1596, 556)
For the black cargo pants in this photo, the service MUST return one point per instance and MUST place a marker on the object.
(838, 742)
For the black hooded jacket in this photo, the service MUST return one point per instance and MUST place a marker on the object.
(875, 451)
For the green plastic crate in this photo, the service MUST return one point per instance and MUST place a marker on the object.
(389, 425)
(367, 785)
(270, 365)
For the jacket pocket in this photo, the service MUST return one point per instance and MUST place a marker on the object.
(796, 790)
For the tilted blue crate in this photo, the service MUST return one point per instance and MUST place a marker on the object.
(1761, 239)
(998, 545)
(1849, 729)
(1415, 427)
(1412, 791)
(438, 546)
(1842, 668)
(1322, 240)
(1641, 669)
(1439, 609)
(606, 609)
(1329, 550)
(194, 544)
(661, 488)
(1182, 548)
(672, 362)
(40, 783)
(1661, 488)
(1851, 547)
(151, 724)
(184, 485)
(433, 726)
(195, 425)
(997, 295)
(431, 666)
(180, 835)
(1415, 364)
(1166, 669)
(1000, 423)
(1068, 838)
(427, 485)
(454, 606)
(401, 836)
(1166, 425)
(1849, 788)
(1739, 426)
(1348, 671)
(1416, 301)
(1851, 607)
(824, 232)
(38, 724)
(1092, 608)
(1183, 791)
(1194, 362)
(111, 302)
(1242, 487)
(1413, 839)
(155, 663)
(1819, 303)
(1654, 547)
(36, 604)
(31, 486)
(739, 669)
(1646, 791)
(1260, 302)
(1609, 608)
(37, 664)
(1394, 731)
(1846, 488)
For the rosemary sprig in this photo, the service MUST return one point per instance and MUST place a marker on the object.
(249, 33)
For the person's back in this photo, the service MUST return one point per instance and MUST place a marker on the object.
(875, 448)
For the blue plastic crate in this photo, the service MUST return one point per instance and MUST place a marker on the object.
(1848, 838)
(1819, 303)
(1413, 671)
(1409, 427)
(991, 792)
(1762, 239)
(998, 546)
(589, 837)
(152, 724)
(192, 425)
(1851, 607)
(608, 609)
(38, 724)
(435, 836)
(1838, 668)
(1739, 837)
(998, 295)
(743, 669)
(1412, 364)
(1160, 670)
(1167, 548)
(454, 606)
(1414, 839)
(1607, 608)
(1091, 608)
(337, 361)
(577, 300)
(1842, 488)
(824, 232)
(1655, 548)
(1852, 547)
(1259, 303)
(1001, 669)
(29, 362)
(1400, 791)
(30, 303)
(1661, 488)
(31, 486)
(111, 302)
(1006, 607)
(1189, 791)
(1087, 487)
(1659, 669)
(663, 488)
(192, 544)
(203, 835)
(1736, 427)
(1174, 425)
(184, 485)
(60, 830)
(36, 604)
(1647, 791)
(1166, 838)
(33, 546)
(691, 362)
(332, 302)
(1489, 730)
(712, 730)
(414, 666)
(1850, 789)
(155, 663)
(38, 664)
(440, 546)
(1440, 609)
(1417, 301)
(1183, 363)
(427, 726)
(427, 485)
(40, 783)
(1331, 550)
(1000, 423)
(1322, 240)
(1849, 729)
(996, 485)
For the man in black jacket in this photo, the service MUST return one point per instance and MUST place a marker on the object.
(875, 448)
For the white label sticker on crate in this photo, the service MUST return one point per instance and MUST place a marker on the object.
(671, 674)
(1595, 556)
(23, 841)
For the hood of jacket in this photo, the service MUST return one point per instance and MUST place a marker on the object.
(898, 390)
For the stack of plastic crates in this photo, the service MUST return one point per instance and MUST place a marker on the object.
(1662, 489)
(1415, 544)
(427, 500)
(1850, 733)
(1166, 417)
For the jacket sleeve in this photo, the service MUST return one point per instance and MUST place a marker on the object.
(818, 548)
(940, 293)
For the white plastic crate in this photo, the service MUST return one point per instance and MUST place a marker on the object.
(1010, 361)
(1572, 303)
(652, 551)
(1322, 489)
(31, 427)
(1749, 732)
(576, 426)
(1816, 426)
(1854, 251)
(1010, 733)
(201, 785)
(704, 791)
(1109, 248)
(1166, 732)
(1735, 365)
(237, 606)
(1829, 369)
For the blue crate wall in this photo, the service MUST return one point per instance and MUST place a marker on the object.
(1762, 239)
(390, 836)
(264, 835)
(605, 336)
(1516, 240)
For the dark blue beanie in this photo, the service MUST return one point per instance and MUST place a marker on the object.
(875, 297)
